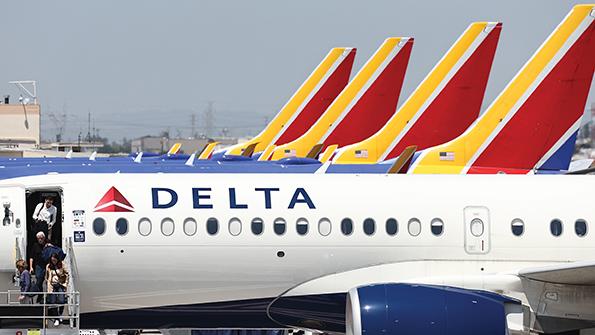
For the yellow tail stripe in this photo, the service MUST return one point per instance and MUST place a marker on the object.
(206, 153)
(174, 149)
(328, 153)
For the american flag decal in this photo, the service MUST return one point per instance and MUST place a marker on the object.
(447, 156)
(361, 153)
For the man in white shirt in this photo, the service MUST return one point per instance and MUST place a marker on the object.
(44, 217)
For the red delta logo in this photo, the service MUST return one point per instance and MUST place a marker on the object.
(113, 201)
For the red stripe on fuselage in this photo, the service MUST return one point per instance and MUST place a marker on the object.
(376, 105)
(457, 105)
(327, 93)
(548, 113)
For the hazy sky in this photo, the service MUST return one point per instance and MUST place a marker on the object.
(142, 66)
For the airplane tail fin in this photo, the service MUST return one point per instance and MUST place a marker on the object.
(532, 124)
(264, 156)
(207, 151)
(363, 106)
(442, 106)
(307, 103)
(174, 149)
(403, 161)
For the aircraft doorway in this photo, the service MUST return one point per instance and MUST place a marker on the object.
(34, 198)
(477, 229)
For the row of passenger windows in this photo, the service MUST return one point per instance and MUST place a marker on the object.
(190, 226)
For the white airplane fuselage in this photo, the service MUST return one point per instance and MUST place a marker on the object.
(132, 271)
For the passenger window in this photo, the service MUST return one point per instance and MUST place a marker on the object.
(324, 227)
(369, 226)
(477, 227)
(122, 226)
(518, 227)
(144, 227)
(556, 227)
(167, 227)
(437, 226)
(301, 226)
(190, 226)
(257, 226)
(279, 226)
(347, 226)
(99, 226)
(212, 226)
(414, 227)
(235, 226)
(580, 227)
(392, 227)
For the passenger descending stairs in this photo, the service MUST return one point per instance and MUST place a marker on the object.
(33, 318)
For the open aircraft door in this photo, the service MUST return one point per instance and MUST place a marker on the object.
(13, 226)
(477, 229)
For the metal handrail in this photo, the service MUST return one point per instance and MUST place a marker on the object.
(72, 302)
(72, 266)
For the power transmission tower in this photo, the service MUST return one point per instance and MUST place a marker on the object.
(88, 127)
(193, 123)
(210, 119)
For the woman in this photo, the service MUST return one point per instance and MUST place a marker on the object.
(24, 282)
(56, 277)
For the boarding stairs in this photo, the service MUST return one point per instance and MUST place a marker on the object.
(36, 318)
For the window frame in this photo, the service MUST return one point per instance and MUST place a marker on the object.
(367, 220)
(230, 221)
(437, 219)
(386, 223)
(556, 220)
(586, 227)
(512, 222)
(409, 222)
(330, 226)
(186, 220)
(210, 220)
(261, 226)
(145, 219)
(284, 226)
(103, 223)
(173, 224)
(127, 226)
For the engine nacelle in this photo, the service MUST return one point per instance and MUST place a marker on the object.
(407, 309)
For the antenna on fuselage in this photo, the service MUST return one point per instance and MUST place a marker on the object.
(93, 155)
(69, 154)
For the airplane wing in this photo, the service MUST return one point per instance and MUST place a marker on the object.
(575, 273)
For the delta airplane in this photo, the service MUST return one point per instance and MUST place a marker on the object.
(339, 253)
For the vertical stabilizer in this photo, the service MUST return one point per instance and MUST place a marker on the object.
(363, 106)
(307, 103)
(533, 122)
(444, 104)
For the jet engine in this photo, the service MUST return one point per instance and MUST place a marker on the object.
(407, 309)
